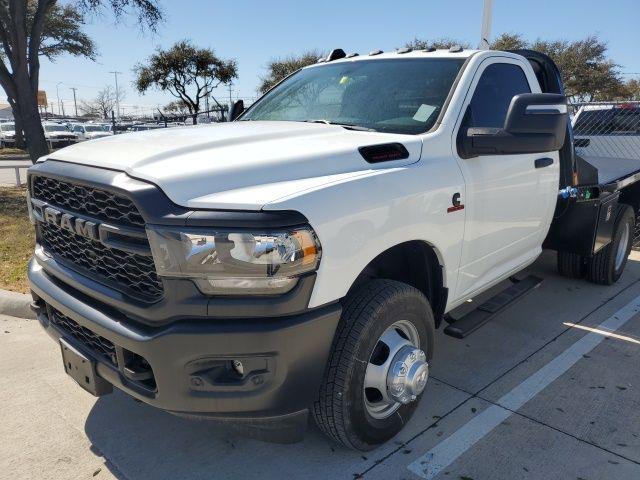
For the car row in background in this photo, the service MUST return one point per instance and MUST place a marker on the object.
(63, 132)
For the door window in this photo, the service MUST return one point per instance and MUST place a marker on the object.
(499, 83)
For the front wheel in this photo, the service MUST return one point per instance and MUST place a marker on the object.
(378, 366)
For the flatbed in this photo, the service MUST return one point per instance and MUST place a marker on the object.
(615, 170)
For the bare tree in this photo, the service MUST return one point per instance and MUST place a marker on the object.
(104, 102)
(89, 109)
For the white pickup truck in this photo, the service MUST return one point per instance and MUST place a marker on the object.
(297, 260)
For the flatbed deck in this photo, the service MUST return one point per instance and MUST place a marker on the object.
(623, 171)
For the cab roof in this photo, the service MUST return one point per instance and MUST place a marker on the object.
(405, 53)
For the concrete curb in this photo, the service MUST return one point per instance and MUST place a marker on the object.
(16, 305)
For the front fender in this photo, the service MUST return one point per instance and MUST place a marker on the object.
(361, 217)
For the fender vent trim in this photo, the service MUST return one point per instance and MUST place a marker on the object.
(384, 152)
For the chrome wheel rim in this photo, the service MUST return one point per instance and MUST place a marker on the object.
(622, 247)
(399, 340)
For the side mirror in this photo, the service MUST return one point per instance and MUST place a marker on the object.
(535, 123)
(236, 109)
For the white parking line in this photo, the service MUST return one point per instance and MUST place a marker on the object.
(446, 452)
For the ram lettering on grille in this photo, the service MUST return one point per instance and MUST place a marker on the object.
(75, 241)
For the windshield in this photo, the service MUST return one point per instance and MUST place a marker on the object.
(398, 96)
(93, 128)
(7, 127)
(55, 128)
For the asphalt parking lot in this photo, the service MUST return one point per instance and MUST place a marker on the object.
(549, 389)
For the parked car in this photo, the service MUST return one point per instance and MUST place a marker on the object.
(7, 134)
(297, 261)
(88, 131)
(58, 135)
(144, 126)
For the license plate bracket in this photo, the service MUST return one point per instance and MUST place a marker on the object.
(83, 370)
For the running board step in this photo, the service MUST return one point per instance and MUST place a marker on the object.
(462, 327)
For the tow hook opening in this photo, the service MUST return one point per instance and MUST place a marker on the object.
(137, 369)
(230, 374)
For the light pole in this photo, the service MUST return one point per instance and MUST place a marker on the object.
(75, 104)
(58, 94)
(487, 14)
(115, 74)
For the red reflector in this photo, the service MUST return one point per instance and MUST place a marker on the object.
(455, 208)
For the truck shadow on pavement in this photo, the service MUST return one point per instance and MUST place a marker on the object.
(142, 442)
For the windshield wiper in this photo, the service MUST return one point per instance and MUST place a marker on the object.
(348, 126)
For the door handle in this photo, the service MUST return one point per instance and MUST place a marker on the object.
(543, 162)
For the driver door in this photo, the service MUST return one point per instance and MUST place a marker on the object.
(509, 202)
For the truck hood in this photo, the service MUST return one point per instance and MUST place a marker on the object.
(238, 165)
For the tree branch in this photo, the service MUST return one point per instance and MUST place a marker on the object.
(7, 82)
(35, 39)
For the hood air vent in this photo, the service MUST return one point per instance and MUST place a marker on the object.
(384, 152)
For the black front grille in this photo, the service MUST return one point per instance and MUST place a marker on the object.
(93, 342)
(131, 273)
(134, 273)
(106, 206)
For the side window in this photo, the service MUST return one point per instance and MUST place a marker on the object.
(499, 83)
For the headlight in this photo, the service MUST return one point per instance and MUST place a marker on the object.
(232, 262)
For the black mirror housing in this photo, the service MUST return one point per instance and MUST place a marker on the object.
(236, 109)
(535, 123)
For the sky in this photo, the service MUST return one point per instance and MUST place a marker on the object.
(253, 32)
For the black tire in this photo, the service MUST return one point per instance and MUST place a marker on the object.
(571, 265)
(340, 410)
(602, 266)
